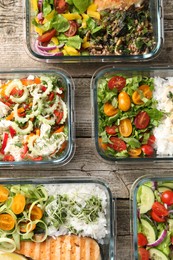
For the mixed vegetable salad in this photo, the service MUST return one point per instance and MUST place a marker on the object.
(36, 212)
(127, 115)
(33, 118)
(76, 27)
(155, 220)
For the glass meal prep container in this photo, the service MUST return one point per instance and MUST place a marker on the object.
(79, 31)
(81, 210)
(37, 118)
(152, 218)
(132, 113)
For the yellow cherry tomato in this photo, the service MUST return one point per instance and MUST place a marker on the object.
(124, 101)
(109, 109)
(125, 127)
(135, 152)
(142, 91)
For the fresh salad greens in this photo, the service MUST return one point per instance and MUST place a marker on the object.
(28, 210)
(126, 115)
(33, 118)
(155, 220)
(76, 27)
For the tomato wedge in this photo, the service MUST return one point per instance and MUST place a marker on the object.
(157, 218)
(111, 130)
(159, 209)
(147, 149)
(167, 197)
(143, 254)
(117, 82)
(142, 239)
(72, 30)
(47, 36)
(142, 120)
(117, 144)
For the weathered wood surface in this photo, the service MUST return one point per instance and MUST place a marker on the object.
(119, 177)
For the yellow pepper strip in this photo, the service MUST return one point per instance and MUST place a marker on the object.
(34, 4)
(50, 15)
(92, 11)
(39, 30)
(10, 116)
(72, 16)
(84, 20)
(71, 51)
(85, 43)
(55, 40)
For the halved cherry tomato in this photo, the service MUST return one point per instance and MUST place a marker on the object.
(36, 213)
(143, 254)
(125, 127)
(142, 239)
(124, 102)
(151, 140)
(117, 144)
(167, 197)
(101, 144)
(27, 226)
(117, 82)
(47, 36)
(109, 109)
(59, 115)
(142, 120)
(72, 30)
(147, 149)
(60, 6)
(157, 218)
(4, 192)
(7, 222)
(18, 203)
(159, 209)
(135, 152)
(143, 90)
(111, 130)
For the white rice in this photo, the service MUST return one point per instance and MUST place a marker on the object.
(80, 193)
(164, 132)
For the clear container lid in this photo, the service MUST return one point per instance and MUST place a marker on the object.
(95, 36)
(44, 133)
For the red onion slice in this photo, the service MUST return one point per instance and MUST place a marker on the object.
(159, 240)
(40, 16)
(44, 50)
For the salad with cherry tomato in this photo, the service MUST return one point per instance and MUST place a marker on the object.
(127, 115)
(33, 118)
(154, 220)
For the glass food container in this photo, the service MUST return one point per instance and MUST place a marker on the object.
(75, 194)
(93, 33)
(130, 108)
(37, 118)
(152, 217)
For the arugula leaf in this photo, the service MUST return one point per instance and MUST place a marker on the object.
(132, 142)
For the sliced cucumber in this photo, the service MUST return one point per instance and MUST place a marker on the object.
(156, 254)
(166, 184)
(149, 230)
(146, 199)
(162, 189)
(170, 222)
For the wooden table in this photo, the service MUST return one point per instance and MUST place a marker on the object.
(85, 162)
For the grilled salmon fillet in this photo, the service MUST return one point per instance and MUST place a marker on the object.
(67, 247)
(116, 4)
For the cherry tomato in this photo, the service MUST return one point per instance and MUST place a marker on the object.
(101, 144)
(124, 102)
(111, 130)
(167, 197)
(125, 127)
(142, 120)
(151, 140)
(72, 30)
(157, 218)
(159, 209)
(143, 90)
(135, 152)
(47, 36)
(60, 6)
(147, 149)
(142, 239)
(109, 109)
(118, 144)
(143, 254)
(117, 82)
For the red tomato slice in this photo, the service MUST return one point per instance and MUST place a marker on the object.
(142, 120)
(72, 30)
(167, 197)
(147, 149)
(111, 130)
(60, 6)
(156, 217)
(117, 82)
(151, 140)
(159, 209)
(12, 131)
(142, 239)
(143, 254)
(47, 36)
(118, 144)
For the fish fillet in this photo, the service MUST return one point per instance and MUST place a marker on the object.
(67, 247)
(116, 4)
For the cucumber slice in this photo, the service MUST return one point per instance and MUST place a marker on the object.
(156, 254)
(146, 199)
(149, 230)
(170, 222)
(162, 189)
(166, 184)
